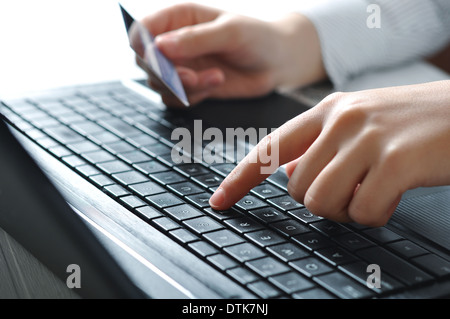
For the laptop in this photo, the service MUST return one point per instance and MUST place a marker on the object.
(89, 183)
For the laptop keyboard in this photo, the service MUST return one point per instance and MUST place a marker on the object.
(267, 242)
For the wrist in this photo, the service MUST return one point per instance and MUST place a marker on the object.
(300, 56)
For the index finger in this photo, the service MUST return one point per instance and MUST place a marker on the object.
(178, 16)
(281, 146)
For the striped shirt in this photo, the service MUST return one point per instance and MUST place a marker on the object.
(355, 37)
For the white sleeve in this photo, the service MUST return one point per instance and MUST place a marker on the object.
(351, 45)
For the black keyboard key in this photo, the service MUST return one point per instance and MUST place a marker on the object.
(290, 227)
(119, 147)
(101, 180)
(245, 252)
(71, 118)
(73, 160)
(192, 169)
(45, 122)
(265, 237)
(104, 137)
(83, 147)
(313, 241)
(128, 178)
(222, 214)
(142, 121)
(353, 241)
(433, 264)
(55, 108)
(203, 248)
(358, 271)
(117, 190)
(285, 203)
(64, 135)
(166, 178)
(35, 134)
(343, 286)
(185, 188)
(244, 224)
(142, 140)
(87, 170)
(98, 157)
(336, 256)
(288, 252)
(164, 200)
(311, 266)
(119, 127)
(291, 282)
(166, 159)
(223, 169)
(148, 213)
(315, 293)
(264, 290)
(87, 128)
(224, 237)
(147, 189)
(407, 249)
(135, 157)
(95, 114)
(184, 236)
(382, 235)
(19, 105)
(114, 167)
(183, 212)
(250, 202)
(267, 267)
(199, 200)
(32, 114)
(157, 149)
(151, 167)
(329, 228)
(393, 265)
(208, 180)
(222, 261)
(132, 201)
(155, 129)
(279, 178)
(357, 226)
(60, 151)
(303, 215)
(165, 223)
(79, 104)
(266, 191)
(243, 275)
(201, 225)
(47, 142)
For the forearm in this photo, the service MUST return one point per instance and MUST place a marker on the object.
(300, 52)
(408, 30)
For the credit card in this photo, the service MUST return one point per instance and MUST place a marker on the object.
(159, 67)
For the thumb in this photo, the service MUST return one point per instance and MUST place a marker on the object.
(196, 40)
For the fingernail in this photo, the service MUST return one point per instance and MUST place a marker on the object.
(218, 198)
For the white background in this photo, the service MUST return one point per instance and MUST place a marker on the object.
(49, 43)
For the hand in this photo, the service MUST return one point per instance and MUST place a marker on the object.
(223, 55)
(351, 157)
